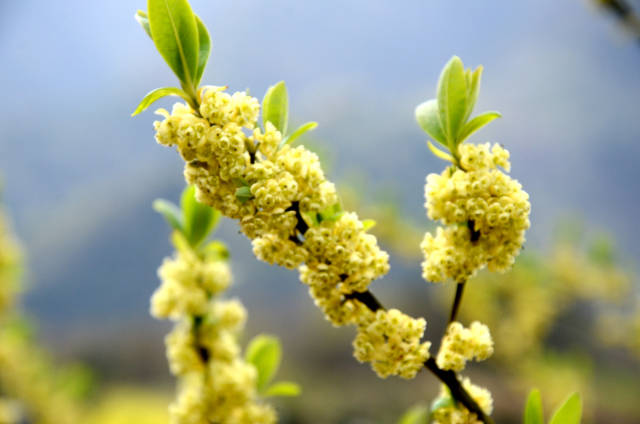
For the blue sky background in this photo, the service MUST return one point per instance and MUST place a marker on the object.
(80, 173)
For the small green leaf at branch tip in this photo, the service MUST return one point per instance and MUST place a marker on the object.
(368, 224)
(275, 107)
(428, 118)
(175, 33)
(533, 413)
(143, 19)
(309, 126)
(157, 94)
(243, 194)
(199, 219)
(439, 153)
(170, 212)
(284, 389)
(475, 124)
(452, 98)
(570, 412)
(418, 414)
(264, 352)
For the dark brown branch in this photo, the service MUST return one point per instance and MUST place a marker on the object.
(367, 299)
(475, 234)
(456, 302)
(370, 301)
(448, 377)
(458, 392)
(301, 225)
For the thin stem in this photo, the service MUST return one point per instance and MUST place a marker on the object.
(448, 377)
(456, 302)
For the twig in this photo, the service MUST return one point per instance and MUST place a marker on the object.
(456, 302)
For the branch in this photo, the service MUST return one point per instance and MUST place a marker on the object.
(448, 377)
(458, 392)
(456, 302)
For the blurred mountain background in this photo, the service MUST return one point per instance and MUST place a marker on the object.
(80, 174)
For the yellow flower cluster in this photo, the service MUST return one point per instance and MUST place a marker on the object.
(390, 340)
(457, 414)
(485, 213)
(285, 196)
(9, 260)
(31, 381)
(214, 383)
(28, 380)
(460, 345)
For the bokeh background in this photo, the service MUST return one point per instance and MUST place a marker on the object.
(79, 176)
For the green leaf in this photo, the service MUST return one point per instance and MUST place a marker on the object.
(367, 224)
(533, 409)
(473, 85)
(331, 214)
(429, 120)
(418, 414)
(243, 194)
(264, 352)
(476, 123)
(204, 45)
(570, 412)
(452, 99)
(283, 388)
(310, 218)
(157, 94)
(175, 34)
(216, 250)
(199, 219)
(439, 153)
(143, 20)
(442, 402)
(170, 212)
(275, 107)
(309, 126)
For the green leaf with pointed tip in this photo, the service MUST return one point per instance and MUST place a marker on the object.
(476, 123)
(452, 99)
(143, 20)
(309, 126)
(243, 194)
(418, 414)
(170, 212)
(473, 87)
(157, 94)
(439, 153)
(428, 118)
(275, 107)
(368, 224)
(265, 353)
(283, 388)
(570, 412)
(204, 46)
(175, 33)
(533, 409)
(199, 219)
